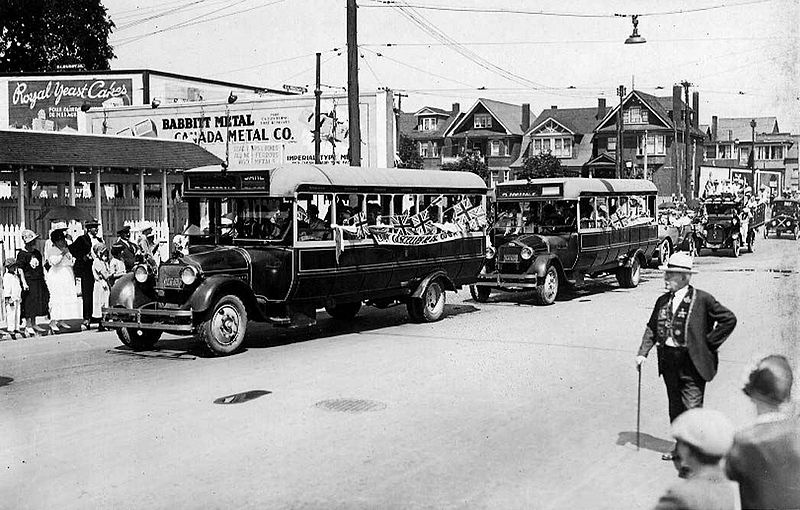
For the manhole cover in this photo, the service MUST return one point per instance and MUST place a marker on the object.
(350, 405)
(238, 398)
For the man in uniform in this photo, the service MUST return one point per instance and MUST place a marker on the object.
(126, 248)
(765, 458)
(688, 326)
(81, 249)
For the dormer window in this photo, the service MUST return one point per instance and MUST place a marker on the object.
(560, 147)
(482, 121)
(635, 115)
(428, 124)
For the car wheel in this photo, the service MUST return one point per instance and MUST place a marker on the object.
(480, 294)
(629, 276)
(223, 329)
(737, 247)
(430, 306)
(664, 252)
(344, 311)
(546, 292)
(139, 339)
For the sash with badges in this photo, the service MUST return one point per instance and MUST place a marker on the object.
(673, 326)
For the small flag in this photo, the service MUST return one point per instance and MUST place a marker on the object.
(402, 223)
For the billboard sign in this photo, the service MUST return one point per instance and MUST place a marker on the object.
(53, 105)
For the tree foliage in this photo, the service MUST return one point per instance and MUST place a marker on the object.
(44, 35)
(541, 165)
(469, 162)
(408, 154)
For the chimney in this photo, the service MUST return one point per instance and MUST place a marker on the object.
(554, 107)
(456, 108)
(676, 104)
(714, 123)
(526, 116)
(696, 109)
(601, 108)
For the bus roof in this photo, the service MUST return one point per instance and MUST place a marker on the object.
(286, 180)
(574, 187)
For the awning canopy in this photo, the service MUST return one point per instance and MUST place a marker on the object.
(28, 148)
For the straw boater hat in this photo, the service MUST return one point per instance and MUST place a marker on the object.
(28, 235)
(679, 262)
(59, 225)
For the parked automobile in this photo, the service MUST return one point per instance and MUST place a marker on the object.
(785, 218)
(547, 232)
(276, 245)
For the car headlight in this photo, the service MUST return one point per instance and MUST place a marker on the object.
(141, 273)
(188, 275)
(526, 253)
(489, 253)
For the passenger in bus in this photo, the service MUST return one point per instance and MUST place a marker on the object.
(314, 229)
(373, 211)
(602, 216)
(282, 227)
(586, 214)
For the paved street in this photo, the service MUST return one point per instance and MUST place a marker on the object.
(499, 405)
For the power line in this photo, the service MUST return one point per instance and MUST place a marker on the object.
(410, 66)
(597, 41)
(157, 15)
(371, 70)
(490, 10)
(264, 64)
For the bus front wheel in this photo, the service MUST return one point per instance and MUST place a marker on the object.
(223, 329)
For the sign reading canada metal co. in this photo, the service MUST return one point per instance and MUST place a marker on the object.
(53, 105)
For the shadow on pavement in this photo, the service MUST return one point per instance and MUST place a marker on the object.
(647, 442)
(5, 381)
(261, 335)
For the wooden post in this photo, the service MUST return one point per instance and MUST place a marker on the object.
(98, 200)
(72, 185)
(352, 85)
(141, 194)
(21, 200)
(164, 197)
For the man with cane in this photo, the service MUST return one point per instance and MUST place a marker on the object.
(687, 326)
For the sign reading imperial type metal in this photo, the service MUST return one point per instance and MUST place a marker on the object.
(53, 105)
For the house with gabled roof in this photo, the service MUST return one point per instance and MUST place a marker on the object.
(426, 128)
(653, 144)
(493, 130)
(566, 133)
(731, 140)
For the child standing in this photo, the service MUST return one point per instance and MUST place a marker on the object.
(116, 266)
(101, 273)
(12, 296)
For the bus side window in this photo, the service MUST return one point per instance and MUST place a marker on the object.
(373, 209)
(601, 212)
(311, 208)
(587, 212)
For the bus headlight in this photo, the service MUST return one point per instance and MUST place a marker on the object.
(141, 273)
(188, 275)
(526, 253)
(490, 253)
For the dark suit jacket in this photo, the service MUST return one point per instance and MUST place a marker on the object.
(706, 490)
(128, 254)
(709, 324)
(81, 249)
(765, 460)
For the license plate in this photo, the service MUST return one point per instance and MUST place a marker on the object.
(510, 258)
(171, 281)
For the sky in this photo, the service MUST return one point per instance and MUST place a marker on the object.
(742, 56)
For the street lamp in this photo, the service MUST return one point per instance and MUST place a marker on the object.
(753, 152)
(635, 38)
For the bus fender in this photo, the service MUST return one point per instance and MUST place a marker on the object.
(214, 287)
(542, 262)
(447, 283)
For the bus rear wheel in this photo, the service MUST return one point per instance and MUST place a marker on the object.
(344, 311)
(139, 339)
(430, 306)
(629, 276)
(223, 329)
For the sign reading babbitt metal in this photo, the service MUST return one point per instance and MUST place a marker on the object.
(257, 133)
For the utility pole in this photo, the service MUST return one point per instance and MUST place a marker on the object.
(398, 112)
(687, 141)
(354, 116)
(621, 94)
(317, 112)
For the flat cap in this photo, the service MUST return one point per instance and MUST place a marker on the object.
(705, 429)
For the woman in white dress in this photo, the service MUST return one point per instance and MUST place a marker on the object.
(60, 280)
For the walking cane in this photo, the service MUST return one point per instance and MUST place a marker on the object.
(638, 404)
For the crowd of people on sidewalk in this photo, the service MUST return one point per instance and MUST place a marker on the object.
(37, 284)
(687, 327)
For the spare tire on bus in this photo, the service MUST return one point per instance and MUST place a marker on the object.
(139, 339)
(429, 307)
(224, 326)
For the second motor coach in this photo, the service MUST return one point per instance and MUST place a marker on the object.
(547, 232)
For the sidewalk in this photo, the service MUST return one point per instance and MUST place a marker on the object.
(70, 326)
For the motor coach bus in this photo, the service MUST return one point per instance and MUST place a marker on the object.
(275, 245)
(547, 232)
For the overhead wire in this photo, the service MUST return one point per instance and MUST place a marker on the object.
(161, 14)
(272, 62)
(410, 66)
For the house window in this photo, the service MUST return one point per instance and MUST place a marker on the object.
(435, 149)
(777, 152)
(611, 144)
(498, 148)
(725, 151)
(558, 147)
(769, 152)
(428, 124)
(634, 115)
(423, 149)
(506, 176)
(711, 152)
(482, 120)
(656, 144)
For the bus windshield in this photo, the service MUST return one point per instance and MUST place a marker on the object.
(228, 219)
(536, 217)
